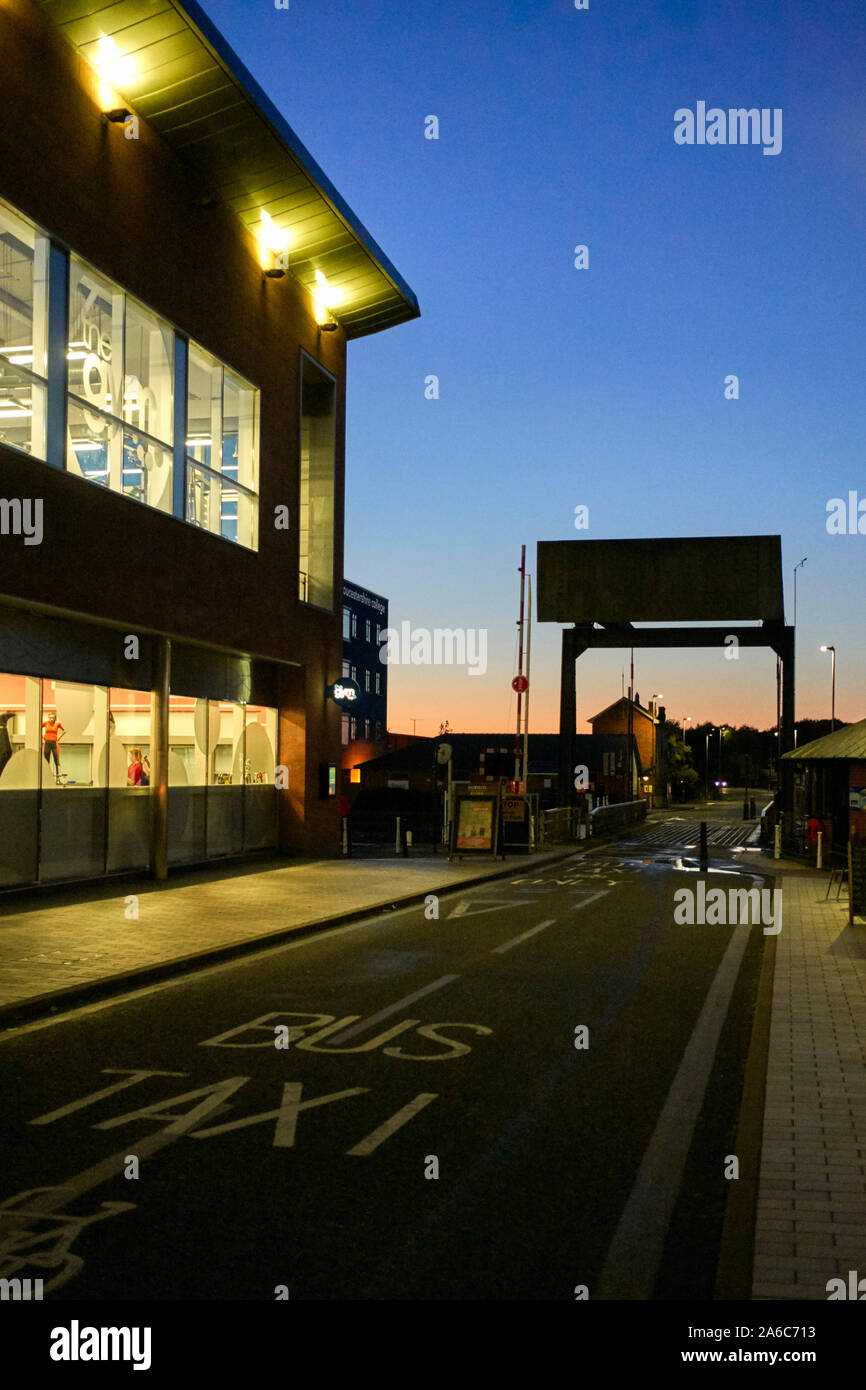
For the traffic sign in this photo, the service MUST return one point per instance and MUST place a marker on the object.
(520, 684)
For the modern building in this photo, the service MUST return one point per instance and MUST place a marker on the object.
(365, 721)
(178, 285)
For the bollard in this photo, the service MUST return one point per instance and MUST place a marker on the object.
(704, 851)
(746, 804)
(777, 842)
(752, 809)
(820, 849)
(408, 839)
(397, 839)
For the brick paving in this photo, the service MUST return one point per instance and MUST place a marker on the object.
(81, 937)
(811, 1220)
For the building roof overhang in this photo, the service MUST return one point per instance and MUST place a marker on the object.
(844, 745)
(190, 86)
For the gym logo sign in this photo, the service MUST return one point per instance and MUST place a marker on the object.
(343, 692)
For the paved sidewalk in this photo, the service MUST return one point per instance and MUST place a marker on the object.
(811, 1221)
(83, 940)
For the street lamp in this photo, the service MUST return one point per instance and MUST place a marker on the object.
(832, 651)
(707, 765)
(797, 567)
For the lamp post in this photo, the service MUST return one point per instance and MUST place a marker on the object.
(707, 765)
(832, 651)
(797, 567)
(723, 729)
(687, 720)
(659, 748)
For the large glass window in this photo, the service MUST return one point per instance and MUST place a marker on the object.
(20, 755)
(222, 447)
(129, 756)
(75, 735)
(318, 462)
(23, 333)
(120, 426)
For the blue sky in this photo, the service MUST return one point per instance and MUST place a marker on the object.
(604, 386)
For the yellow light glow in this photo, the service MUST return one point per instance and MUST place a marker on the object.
(324, 298)
(273, 241)
(114, 70)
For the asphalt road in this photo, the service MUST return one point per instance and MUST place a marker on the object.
(437, 1126)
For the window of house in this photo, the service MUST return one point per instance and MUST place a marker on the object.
(367, 626)
(347, 625)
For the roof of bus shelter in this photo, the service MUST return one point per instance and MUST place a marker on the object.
(191, 87)
(843, 745)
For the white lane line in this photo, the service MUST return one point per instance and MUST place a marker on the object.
(467, 906)
(391, 1009)
(366, 1146)
(602, 893)
(524, 936)
(632, 1262)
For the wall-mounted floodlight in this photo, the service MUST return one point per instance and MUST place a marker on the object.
(324, 297)
(274, 248)
(114, 71)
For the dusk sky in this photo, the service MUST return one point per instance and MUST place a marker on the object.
(604, 386)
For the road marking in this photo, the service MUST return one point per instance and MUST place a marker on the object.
(524, 936)
(632, 1262)
(392, 1009)
(602, 893)
(286, 1117)
(466, 907)
(402, 1117)
(132, 1080)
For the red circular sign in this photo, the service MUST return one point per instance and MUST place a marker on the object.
(520, 684)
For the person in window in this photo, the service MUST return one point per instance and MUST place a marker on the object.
(145, 771)
(135, 769)
(52, 733)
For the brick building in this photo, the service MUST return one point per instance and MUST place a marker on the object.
(178, 285)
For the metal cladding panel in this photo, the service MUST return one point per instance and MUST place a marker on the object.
(193, 89)
(691, 579)
(848, 745)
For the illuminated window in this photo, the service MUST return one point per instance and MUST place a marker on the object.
(120, 374)
(23, 333)
(222, 449)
